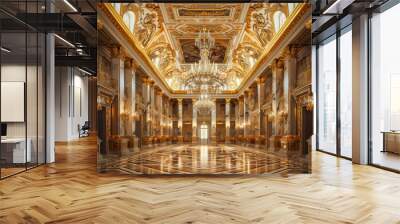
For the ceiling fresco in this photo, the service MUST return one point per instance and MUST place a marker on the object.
(167, 32)
(204, 12)
(191, 52)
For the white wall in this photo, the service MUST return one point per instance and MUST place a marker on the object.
(16, 73)
(71, 103)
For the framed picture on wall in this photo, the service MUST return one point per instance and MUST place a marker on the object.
(12, 101)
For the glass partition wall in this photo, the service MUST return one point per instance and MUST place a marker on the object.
(22, 77)
(345, 66)
(327, 95)
(334, 94)
(385, 89)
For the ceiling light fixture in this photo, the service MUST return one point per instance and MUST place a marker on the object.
(204, 104)
(204, 75)
(84, 71)
(64, 40)
(70, 5)
(5, 50)
(337, 7)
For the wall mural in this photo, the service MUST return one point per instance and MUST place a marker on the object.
(269, 115)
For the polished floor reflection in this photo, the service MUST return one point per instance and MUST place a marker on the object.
(202, 159)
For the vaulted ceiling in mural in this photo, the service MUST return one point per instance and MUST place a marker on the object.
(167, 33)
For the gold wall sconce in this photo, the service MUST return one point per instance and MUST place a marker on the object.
(271, 116)
(309, 102)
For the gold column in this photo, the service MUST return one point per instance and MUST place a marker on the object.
(227, 120)
(168, 113)
(277, 97)
(245, 113)
(146, 101)
(241, 115)
(290, 84)
(134, 114)
(162, 114)
(180, 121)
(152, 98)
(214, 122)
(194, 122)
(237, 119)
(260, 138)
(130, 93)
(117, 70)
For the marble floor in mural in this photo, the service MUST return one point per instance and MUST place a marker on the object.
(202, 159)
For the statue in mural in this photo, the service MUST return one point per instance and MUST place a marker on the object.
(148, 28)
(262, 27)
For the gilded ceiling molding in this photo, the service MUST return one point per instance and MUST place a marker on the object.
(249, 43)
(116, 20)
(276, 43)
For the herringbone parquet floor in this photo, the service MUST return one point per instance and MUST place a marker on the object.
(71, 191)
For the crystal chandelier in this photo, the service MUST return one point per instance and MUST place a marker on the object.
(204, 104)
(204, 74)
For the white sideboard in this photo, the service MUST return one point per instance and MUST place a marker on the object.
(19, 155)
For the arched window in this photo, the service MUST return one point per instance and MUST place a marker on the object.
(129, 20)
(291, 7)
(279, 20)
(117, 7)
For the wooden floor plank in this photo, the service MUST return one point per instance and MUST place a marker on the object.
(71, 191)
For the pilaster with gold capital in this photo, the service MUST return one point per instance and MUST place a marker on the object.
(180, 119)
(227, 120)
(118, 79)
(194, 122)
(289, 84)
(214, 122)
(117, 52)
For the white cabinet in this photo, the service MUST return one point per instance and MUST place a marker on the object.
(17, 145)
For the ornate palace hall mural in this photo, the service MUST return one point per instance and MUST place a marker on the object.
(226, 85)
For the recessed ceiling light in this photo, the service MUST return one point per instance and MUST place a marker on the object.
(64, 40)
(70, 5)
(5, 50)
(337, 7)
(84, 71)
